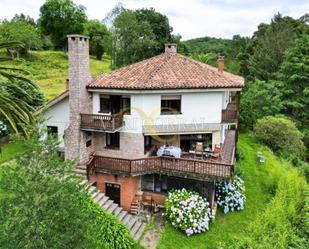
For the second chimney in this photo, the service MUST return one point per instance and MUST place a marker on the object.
(171, 48)
(220, 63)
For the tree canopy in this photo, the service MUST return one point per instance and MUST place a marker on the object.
(138, 34)
(100, 38)
(58, 18)
(20, 30)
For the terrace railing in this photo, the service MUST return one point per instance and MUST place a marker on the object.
(101, 122)
(190, 168)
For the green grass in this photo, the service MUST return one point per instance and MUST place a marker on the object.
(261, 183)
(10, 150)
(49, 69)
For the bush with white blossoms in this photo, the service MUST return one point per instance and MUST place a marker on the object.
(3, 129)
(230, 194)
(187, 211)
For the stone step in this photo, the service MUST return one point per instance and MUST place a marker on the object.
(94, 194)
(80, 171)
(91, 190)
(139, 232)
(82, 166)
(98, 197)
(112, 208)
(117, 211)
(103, 200)
(107, 204)
(127, 219)
(122, 215)
(135, 228)
(131, 223)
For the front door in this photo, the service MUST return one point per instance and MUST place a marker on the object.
(113, 192)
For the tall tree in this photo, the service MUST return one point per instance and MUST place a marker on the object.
(138, 35)
(100, 38)
(58, 18)
(268, 44)
(21, 31)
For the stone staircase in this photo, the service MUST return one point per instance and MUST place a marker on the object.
(135, 226)
(81, 170)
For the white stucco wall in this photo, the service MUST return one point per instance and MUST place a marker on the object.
(58, 115)
(196, 107)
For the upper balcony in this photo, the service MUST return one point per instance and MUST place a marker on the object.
(101, 122)
(230, 114)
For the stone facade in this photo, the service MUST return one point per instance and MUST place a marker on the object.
(131, 145)
(79, 97)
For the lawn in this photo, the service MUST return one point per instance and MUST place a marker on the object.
(10, 150)
(261, 183)
(49, 69)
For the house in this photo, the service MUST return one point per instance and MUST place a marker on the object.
(163, 123)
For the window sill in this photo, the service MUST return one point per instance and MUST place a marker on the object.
(170, 113)
(111, 148)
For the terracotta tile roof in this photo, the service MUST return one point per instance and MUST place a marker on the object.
(167, 71)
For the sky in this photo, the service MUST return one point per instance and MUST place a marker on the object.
(189, 18)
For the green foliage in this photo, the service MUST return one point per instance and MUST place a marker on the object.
(14, 112)
(138, 35)
(258, 100)
(20, 30)
(294, 73)
(49, 69)
(100, 38)
(266, 49)
(280, 134)
(40, 208)
(29, 94)
(9, 151)
(281, 225)
(261, 182)
(59, 18)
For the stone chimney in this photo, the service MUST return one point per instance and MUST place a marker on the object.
(220, 63)
(79, 97)
(171, 48)
(67, 85)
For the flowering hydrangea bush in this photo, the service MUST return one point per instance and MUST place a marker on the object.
(3, 129)
(187, 211)
(230, 195)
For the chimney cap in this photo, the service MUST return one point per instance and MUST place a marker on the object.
(170, 48)
(77, 36)
(221, 57)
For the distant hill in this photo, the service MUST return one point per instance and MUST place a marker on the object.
(206, 49)
(49, 69)
(209, 44)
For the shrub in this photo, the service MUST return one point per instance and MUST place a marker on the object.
(187, 211)
(280, 134)
(230, 195)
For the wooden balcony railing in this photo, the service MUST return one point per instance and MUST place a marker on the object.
(230, 114)
(101, 122)
(181, 167)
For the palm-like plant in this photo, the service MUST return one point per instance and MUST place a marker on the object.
(16, 113)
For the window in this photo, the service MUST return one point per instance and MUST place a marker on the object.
(126, 104)
(147, 183)
(105, 104)
(112, 140)
(52, 130)
(170, 104)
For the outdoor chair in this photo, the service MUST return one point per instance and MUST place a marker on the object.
(199, 150)
(216, 151)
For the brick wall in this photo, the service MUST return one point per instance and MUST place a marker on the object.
(128, 187)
